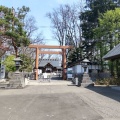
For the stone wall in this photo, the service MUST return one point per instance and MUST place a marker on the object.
(100, 75)
(93, 76)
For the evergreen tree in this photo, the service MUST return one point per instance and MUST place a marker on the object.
(109, 28)
(12, 27)
(94, 47)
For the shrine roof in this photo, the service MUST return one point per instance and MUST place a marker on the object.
(53, 62)
(113, 54)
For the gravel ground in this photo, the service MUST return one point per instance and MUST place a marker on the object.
(66, 102)
(104, 100)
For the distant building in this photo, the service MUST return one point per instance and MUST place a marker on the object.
(50, 65)
(77, 68)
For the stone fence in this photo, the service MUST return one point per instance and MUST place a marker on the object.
(93, 76)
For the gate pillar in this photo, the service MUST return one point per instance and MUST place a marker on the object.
(64, 64)
(36, 63)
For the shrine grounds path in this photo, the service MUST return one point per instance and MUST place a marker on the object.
(59, 102)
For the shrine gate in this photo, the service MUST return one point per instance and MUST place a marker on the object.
(63, 53)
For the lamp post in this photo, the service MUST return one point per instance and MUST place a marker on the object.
(86, 79)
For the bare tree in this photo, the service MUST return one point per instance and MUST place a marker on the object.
(66, 24)
(30, 26)
(32, 29)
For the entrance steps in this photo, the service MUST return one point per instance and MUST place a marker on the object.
(51, 82)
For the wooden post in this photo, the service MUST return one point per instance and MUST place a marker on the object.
(36, 64)
(64, 64)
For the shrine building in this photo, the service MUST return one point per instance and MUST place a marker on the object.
(50, 65)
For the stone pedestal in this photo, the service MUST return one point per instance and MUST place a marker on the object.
(86, 82)
(16, 80)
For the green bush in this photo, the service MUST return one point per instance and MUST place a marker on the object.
(108, 81)
(9, 63)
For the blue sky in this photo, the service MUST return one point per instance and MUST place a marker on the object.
(39, 8)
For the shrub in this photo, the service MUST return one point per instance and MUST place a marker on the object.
(108, 81)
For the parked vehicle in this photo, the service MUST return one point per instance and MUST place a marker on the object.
(69, 74)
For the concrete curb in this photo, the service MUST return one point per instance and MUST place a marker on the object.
(116, 87)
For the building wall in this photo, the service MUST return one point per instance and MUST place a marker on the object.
(78, 69)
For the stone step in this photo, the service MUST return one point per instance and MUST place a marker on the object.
(4, 85)
(85, 79)
(11, 84)
(15, 86)
(87, 84)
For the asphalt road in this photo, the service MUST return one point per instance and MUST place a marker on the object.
(59, 102)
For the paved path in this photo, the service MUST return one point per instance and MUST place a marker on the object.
(59, 102)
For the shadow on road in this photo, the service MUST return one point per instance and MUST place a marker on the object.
(106, 91)
(56, 78)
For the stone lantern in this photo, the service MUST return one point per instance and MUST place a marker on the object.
(86, 81)
(17, 79)
(18, 62)
(85, 63)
